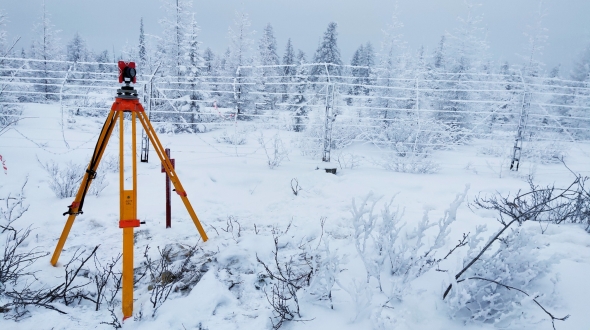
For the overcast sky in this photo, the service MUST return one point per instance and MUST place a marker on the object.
(108, 24)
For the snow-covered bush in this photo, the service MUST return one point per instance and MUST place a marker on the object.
(15, 262)
(233, 137)
(544, 152)
(385, 248)
(64, 180)
(326, 268)
(491, 289)
(407, 163)
(348, 160)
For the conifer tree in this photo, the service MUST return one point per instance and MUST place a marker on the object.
(3, 34)
(328, 52)
(141, 48)
(266, 76)
(289, 69)
(298, 100)
(76, 49)
(208, 62)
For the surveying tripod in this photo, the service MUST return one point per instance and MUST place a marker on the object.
(125, 101)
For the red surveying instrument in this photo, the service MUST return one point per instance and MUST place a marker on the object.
(125, 101)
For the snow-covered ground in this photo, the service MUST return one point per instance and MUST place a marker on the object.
(224, 188)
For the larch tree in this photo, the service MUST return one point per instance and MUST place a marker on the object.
(239, 55)
(537, 37)
(392, 66)
(8, 107)
(45, 47)
(174, 43)
(468, 54)
(194, 65)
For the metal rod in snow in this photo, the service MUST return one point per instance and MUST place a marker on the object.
(168, 191)
(517, 151)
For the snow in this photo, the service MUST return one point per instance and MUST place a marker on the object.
(222, 185)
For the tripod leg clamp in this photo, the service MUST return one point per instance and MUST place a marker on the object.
(75, 205)
(129, 223)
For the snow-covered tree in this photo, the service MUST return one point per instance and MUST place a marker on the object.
(45, 47)
(194, 63)
(467, 54)
(103, 57)
(575, 97)
(440, 54)
(174, 46)
(3, 34)
(267, 76)
(468, 44)
(329, 53)
(288, 70)
(536, 35)
(298, 103)
(581, 70)
(141, 48)
(363, 63)
(239, 55)
(393, 65)
(7, 107)
(208, 61)
(76, 49)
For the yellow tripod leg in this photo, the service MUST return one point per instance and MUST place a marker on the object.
(151, 133)
(103, 140)
(128, 215)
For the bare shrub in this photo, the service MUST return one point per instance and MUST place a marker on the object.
(287, 276)
(15, 260)
(407, 162)
(172, 271)
(276, 153)
(102, 276)
(64, 180)
(237, 137)
(348, 160)
(68, 292)
(295, 186)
